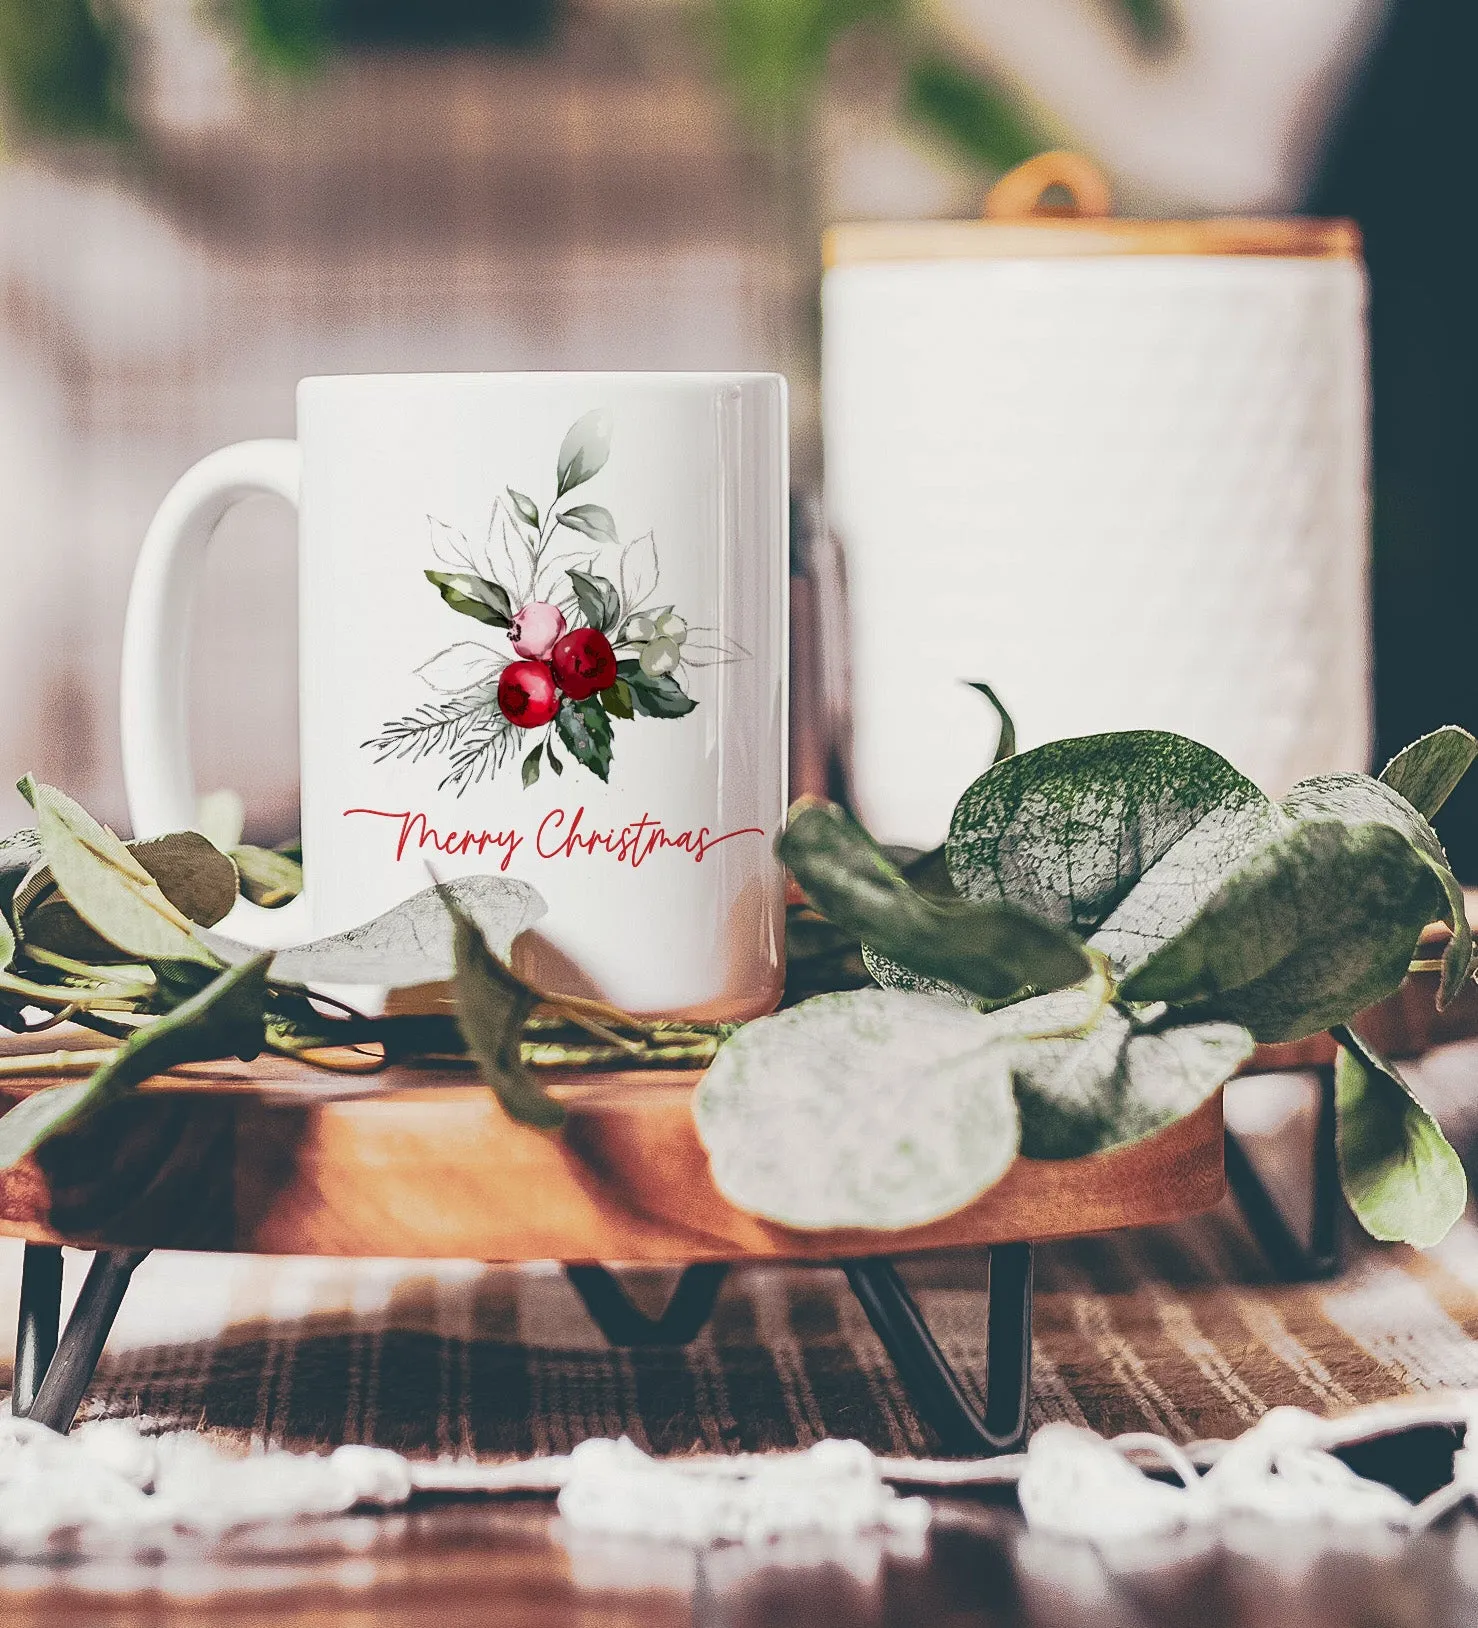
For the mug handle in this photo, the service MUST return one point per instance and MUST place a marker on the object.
(157, 776)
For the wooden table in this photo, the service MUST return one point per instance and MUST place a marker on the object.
(275, 1157)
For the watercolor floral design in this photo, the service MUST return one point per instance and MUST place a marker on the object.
(585, 640)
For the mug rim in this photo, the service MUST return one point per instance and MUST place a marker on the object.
(621, 376)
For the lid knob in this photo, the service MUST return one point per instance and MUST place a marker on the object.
(1019, 193)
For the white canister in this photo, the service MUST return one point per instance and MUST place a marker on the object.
(1117, 469)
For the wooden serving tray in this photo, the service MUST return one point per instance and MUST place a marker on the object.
(274, 1157)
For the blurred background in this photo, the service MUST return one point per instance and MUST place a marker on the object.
(203, 200)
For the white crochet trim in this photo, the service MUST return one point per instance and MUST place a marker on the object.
(58, 1494)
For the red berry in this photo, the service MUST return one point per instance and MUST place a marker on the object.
(584, 663)
(526, 694)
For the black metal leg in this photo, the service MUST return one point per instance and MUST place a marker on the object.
(1290, 1258)
(71, 1369)
(40, 1318)
(622, 1323)
(931, 1383)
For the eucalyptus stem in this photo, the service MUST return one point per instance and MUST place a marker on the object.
(546, 1054)
(54, 1064)
(54, 996)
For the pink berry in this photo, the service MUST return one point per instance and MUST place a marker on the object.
(537, 629)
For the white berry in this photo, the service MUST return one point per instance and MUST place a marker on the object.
(658, 657)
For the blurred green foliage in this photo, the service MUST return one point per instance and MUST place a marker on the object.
(1156, 22)
(981, 120)
(775, 51)
(63, 67)
(296, 34)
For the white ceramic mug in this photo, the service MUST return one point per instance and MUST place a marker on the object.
(620, 746)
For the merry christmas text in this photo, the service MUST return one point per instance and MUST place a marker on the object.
(559, 835)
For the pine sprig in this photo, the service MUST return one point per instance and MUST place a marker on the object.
(479, 751)
(434, 728)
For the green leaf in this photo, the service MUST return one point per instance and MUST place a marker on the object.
(41, 1115)
(1155, 22)
(593, 521)
(598, 599)
(980, 118)
(1427, 772)
(584, 450)
(993, 948)
(225, 1019)
(890, 974)
(866, 1109)
(1119, 835)
(1401, 1176)
(483, 601)
(554, 762)
(1006, 739)
(192, 873)
(19, 851)
(660, 697)
(1315, 926)
(109, 888)
(1090, 1076)
(616, 699)
(492, 1007)
(586, 729)
(268, 878)
(1356, 798)
(410, 943)
(528, 510)
(7, 943)
(531, 766)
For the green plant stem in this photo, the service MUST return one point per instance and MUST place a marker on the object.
(53, 996)
(53, 1064)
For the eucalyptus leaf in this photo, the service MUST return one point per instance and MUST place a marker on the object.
(110, 889)
(890, 974)
(409, 944)
(1006, 739)
(584, 450)
(192, 873)
(268, 878)
(1125, 833)
(585, 727)
(1356, 798)
(598, 599)
(659, 696)
(592, 520)
(1089, 1077)
(225, 1019)
(1427, 772)
(993, 949)
(492, 1007)
(530, 771)
(1400, 1174)
(474, 596)
(1314, 927)
(19, 851)
(870, 1109)
(528, 510)
(616, 699)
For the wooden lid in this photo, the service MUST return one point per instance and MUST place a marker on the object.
(1019, 223)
